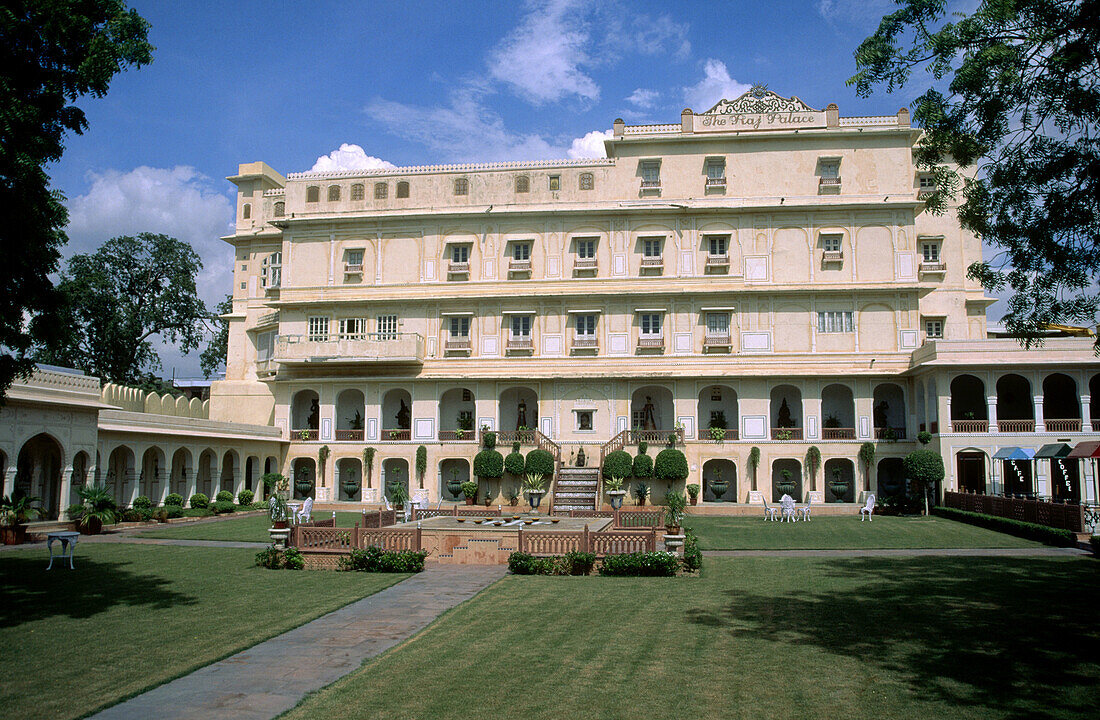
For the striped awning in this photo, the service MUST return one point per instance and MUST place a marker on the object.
(1014, 453)
(1054, 451)
(1089, 449)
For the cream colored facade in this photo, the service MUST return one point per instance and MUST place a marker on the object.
(757, 255)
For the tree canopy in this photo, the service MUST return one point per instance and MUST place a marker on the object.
(52, 52)
(118, 299)
(1011, 95)
(213, 357)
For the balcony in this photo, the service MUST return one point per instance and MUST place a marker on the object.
(838, 433)
(832, 256)
(353, 268)
(715, 341)
(652, 343)
(304, 435)
(397, 435)
(933, 268)
(718, 261)
(584, 264)
(349, 435)
(828, 185)
(652, 262)
(925, 193)
(520, 344)
(1063, 426)
(519, 266)
(365, 349)
(969, 426)
(586, 342)
(716, 183)
(457, 436)
(889, 433)
(786, 433)
(458, 268)
(651, 185)
(1016, 426)
(457, 344)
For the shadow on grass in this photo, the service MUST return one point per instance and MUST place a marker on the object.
(28, 592)
(1015, 635)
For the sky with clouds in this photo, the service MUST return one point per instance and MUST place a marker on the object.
(337, 85)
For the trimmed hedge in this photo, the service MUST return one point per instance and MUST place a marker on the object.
(489, 464)
(670, 465)
(245, 497)
(224, 496)
(223, 506)
(540, 462)
(513, 463)
(174, 499)
(199, 500)
(274, 559)
(1030, 531)
(642, 467)
(573, 562)
(142, 502)
(375, 559)
(641, 564)
(617, 464)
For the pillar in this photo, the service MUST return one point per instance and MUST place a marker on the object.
(1086, 417)
(991, 408)
(63, 500)
(1040, 426)
(946, 417)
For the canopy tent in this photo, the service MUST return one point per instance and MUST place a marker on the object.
(1053, 451)
(1014, 453)
(1089, 449)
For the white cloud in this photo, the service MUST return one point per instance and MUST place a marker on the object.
(541, 59)
(589, 146)
(715, 85)
(642, 98)
(349, 157)
(644, 34)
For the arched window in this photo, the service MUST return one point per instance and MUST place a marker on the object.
(402, 189)
(246, 211)
(381, 191)
(313, 193)
(462, 186)
(333, 193)
(280, 209)
(587, 181)
(523, 184)
(357, 191)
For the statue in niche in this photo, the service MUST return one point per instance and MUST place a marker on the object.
(356, 421)
(649, 421)
(785, 420)
(314, 414)
(580, 458)
(404, 416)
(880, 414)
(521, 416)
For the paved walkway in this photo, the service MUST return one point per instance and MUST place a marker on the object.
(907, 552)
(272, 677)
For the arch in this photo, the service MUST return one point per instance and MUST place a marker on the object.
(120, 474)
(349, 469)
(717, 409)
(792, 328)
(396, 414)
(838, 413)
(719, 470)
(251, 473)
(38, 470)
(395, 470)
(789, 482)
(313, 194)
(652, 409)
(877, 328)
(181, 472)
(350, 411)
(305, 412)
(1015, 407)
(970, 471)
(151, 477)
(231, 465)
(968, 399)
(890, 478)
(206, 474)
(1061, 403)
(1094, 401)
(844, 470)
(79, 475)
(333, 193)
(519, 409)
(452, 471)
(889, 411)
(456, 412)
(786, 411)
(874, 251)
(303, 469)
(402, 188)
(790, 255)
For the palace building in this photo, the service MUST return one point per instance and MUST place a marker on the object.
(760, 275)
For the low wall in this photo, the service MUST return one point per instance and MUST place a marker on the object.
(1055, 515)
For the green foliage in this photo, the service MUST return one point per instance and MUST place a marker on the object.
(514, 463)
(469, 489)
(641, 492)
(642, 466)
(197, 512)
(174, 499)
(524, 564)
(213, 356)
(489, 440)
(142, 502)
(273, 558)
(200, 501)
(1012, 98)
(924, 437)
(421, 463)
(1040, 533)
(96, 504)
(1094, 543)
(693, 490)
(674, 508)
(293, 560)
(813, 460)
(643, 446)
(368, 462)
(54, 53)
(573, 562)
(867, 455)
(245, 497)
(222, 507)
(925, 467)
(617, 464)
(397, 492)
(641, 564)
(670, 465)
(535, 482)
(224, 496)
(375, 559)
(613, 483)
(540, 462)
(693, 556)
(754, 459)
(489, 465)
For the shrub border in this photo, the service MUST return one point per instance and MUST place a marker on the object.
(1057, 537)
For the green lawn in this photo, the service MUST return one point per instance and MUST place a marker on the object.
(832, 532)
(759, 637)
(131, 617)
(243, 529)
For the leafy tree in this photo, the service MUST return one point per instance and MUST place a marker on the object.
(489, 465)
(924, 468)
(1019, 115)
(213, 357)
(119, 298)
(514, 463)
(51, 54)
(617, 464)
(642, 466)
(670, 465)
(540, 462)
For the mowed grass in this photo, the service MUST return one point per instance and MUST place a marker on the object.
(131, 617)
(832, 532)
(757, 637)
(252, 528)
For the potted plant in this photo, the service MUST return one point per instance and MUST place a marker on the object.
(641, 492)
(718, 486)
(368, 462)
(693, 493)
(351, 483)
(15, 513)
(786, 485)
(469, 490)
(489, 495)
(838, 485)
(613, 486)
(513, 496)
(535, 487)
(279, 512)
(96, 509)
(674, 512)
(398, 494)
(454, 485)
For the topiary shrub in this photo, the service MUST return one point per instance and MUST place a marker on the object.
(200, 501)
(576, 562)
(642, 466)
(173, 511)
(641, 564)
(514, 462)
(174, 499)
(223, 506)
(924, 437)
(924, 468)
(539, 462)
(489, 440)
(245, 497)
(489, 465)
(523, 564)
(1057, 537)
(421, 464)
(375, 559)
(141, 502)
(693, 557)
(617, 464)
(224, 496)
(670, 465)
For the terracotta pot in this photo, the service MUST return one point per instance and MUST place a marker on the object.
(91, 526)
(14, 534)
(694, 500)
(672, 529)
(469, 501)
(280, 524)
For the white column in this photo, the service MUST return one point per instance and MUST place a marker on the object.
(1040, 426)
(947, 417)
(991, 406)
(63, 500)
(1086, 418)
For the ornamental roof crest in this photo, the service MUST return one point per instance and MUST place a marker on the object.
(759, 99)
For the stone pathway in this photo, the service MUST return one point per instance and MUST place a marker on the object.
(907, 552)
(272, 677)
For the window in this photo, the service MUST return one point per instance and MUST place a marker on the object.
(834, 321)
(460, 327)
(585, 325)
(521, 251)
(280, 209)
(462, 186)
(933, 329)
(271, 270)
(333, 193)
(830, 169)
(651, 174)
(523, 184)
(460, 254)
(651, 324)
(318, 329)
(357, 191)
(651, 247)
(352, 328)
(930, 252)
(521, 326)
(831, 243)
(718, 323)
(716, 173)
(587, 181)
(387, 327)
(313, 194)
(928, 182)
(584, 419)
(381, 191)
(467, 396)
(244, 267)
(586, 248)
(265, 346)
(246, 211)
(555, 183)
(403, 189)
(719, 244)
(355, 257)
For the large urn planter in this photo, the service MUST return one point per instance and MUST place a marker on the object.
(840, 489)
(454, 487)
(615, 497)
(350, 487)
(785, 487)
(534, 498)
(303, 487)
(90, 526)
(719, 489)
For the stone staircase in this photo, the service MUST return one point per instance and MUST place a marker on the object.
(575, 488)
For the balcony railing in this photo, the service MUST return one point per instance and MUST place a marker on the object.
(584, 264)
(925, 193)
(1016, 426)
(651, 342)
(520, 344)
(718, 260)
(457, 344)
(933, 267)
(585, 342)
(353, 268)
(349, 435)
(367, 348)
(717, 341)
(653, 261)
(833, 256)
(651, 184)
(304, 435)
(457, 435)
(838, 433)
(1073, 425)
(889, 433)
(718, 434)
(519, 266)
(716, 182)
(786, 433)
(830, 183)
(969, 426)
(397, 435)
(458, 268)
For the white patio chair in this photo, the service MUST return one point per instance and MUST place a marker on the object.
(868, 509)
(770, 513)
(804, 511)
(387, 501)
(787, 504)
(305, 513)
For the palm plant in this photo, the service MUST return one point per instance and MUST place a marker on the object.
(19, 509)
(97, 508)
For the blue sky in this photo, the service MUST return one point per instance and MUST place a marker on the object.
(415, 83)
